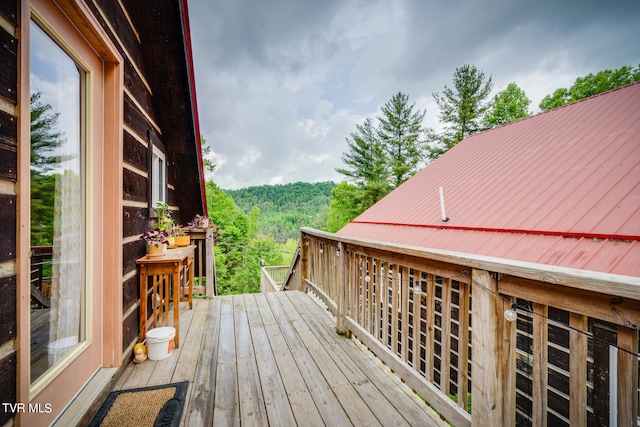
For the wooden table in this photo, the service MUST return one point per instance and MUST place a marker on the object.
(175, 269)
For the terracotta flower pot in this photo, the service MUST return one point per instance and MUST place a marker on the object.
(156, 250)
(183, 240)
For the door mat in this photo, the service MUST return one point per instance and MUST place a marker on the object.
(156, 406)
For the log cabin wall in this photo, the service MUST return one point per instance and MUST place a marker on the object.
(8, 205)
(143, 129)
(157, 105)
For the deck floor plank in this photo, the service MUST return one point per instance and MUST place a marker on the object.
(374, 398)
(327, 403)
(226, 408)
(300, 398)
(250, 387)
(275, 359)
(404, 401)
(273, 390)
(199, 411)
(326, 359)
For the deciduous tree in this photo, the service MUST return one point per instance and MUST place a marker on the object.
(508, 105)
(589, 85)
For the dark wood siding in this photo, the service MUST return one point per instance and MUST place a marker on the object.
(8, 147)
(8, 376)
(7, 227)
(8, 205)
(8, 66)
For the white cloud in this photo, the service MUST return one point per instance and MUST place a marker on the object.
(282, 83)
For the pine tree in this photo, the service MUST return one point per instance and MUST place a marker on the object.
(366, 163)
(402, 134)
(462, 108)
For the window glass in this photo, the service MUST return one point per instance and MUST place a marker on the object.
(159, 182)
(57, 202)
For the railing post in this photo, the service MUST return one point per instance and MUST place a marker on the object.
(304, 262)
(343, 291)
(209, 249)
(486, 341)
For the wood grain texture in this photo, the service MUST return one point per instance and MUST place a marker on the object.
(275, 359)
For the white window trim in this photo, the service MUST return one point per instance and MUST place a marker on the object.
(158, 176)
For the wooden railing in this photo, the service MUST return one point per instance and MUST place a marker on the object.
(41, 259)
(272, 278)
(437, 319)
(204, 262)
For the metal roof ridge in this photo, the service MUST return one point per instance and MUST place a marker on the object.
(505, 230)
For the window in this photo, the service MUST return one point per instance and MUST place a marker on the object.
(58, 207)
(158, 176)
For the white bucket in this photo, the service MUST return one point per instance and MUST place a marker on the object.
(160, 342)
(59, 348)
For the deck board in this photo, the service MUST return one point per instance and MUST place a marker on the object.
(275, 359)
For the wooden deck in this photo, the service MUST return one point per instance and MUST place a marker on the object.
(275, 359)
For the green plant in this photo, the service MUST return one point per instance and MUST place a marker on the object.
(177, 230)
(155, 237)
(164, 221)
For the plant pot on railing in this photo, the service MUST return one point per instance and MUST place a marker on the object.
(182, 240)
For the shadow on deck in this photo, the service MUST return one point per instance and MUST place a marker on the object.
(275, 359)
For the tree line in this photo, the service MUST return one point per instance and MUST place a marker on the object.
(386, 150)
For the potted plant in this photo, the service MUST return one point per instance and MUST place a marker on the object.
(180, 235)
(202, 224)
(156, 242)
(164, 221)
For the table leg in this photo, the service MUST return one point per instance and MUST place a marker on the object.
(176, 302)
(190, 283)
(143, 302)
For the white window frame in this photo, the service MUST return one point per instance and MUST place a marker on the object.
(158, 176)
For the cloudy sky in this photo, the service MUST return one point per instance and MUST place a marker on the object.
(281, 83)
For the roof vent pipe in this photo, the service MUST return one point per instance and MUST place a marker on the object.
(445, 218)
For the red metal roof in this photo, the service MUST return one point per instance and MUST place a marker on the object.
(559, 188)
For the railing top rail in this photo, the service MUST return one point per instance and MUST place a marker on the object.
(611, 284)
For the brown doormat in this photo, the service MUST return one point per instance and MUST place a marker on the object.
(154, 406)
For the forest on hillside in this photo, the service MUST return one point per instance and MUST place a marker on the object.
(283, 209)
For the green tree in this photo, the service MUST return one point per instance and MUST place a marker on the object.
(45, 137)
(508, 105)
(234, 235)
(247, 279)
(589, 85)
(462, 108)
(366, 163)
(344, 206)
(287, 207)
(206, 150)
(402, 135)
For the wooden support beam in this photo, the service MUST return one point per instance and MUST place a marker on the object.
(627, 377)
(539, 370)
(578, 370)
(510, 374)
(487, 351)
